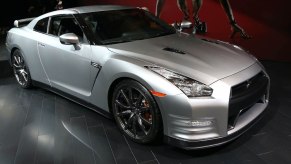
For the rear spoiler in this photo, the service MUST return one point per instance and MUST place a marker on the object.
(22, 22)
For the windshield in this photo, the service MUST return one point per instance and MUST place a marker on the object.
(119, 26)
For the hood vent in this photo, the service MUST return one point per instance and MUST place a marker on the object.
(174, 50)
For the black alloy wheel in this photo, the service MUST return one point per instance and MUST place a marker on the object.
(20, 70)
(136, 112)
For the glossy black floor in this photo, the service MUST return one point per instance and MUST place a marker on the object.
(37, 126)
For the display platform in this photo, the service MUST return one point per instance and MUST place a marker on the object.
(37, 126)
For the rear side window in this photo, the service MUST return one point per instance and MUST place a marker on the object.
(41, 25)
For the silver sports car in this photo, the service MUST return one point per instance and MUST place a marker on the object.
(154, 80)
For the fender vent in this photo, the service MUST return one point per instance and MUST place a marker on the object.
(174, 50)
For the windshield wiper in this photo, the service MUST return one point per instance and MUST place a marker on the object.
(115, 41)
(138, 36)
(163, 33)
(124, 39)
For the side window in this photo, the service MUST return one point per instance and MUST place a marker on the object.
(41, 25)
(63, 25)
(54, 25)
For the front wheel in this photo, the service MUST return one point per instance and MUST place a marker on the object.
(20, 70)
(136, 112)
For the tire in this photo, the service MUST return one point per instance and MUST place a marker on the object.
(136, 112)
(20, 70)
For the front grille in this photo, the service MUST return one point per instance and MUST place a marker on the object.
(245, 95)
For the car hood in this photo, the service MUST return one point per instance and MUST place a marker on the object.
(201, 59)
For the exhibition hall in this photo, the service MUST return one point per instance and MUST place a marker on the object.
(145, 82)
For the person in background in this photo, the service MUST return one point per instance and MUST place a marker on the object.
(59, 5)
(199, 26)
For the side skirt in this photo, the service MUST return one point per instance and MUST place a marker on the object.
(73, 98)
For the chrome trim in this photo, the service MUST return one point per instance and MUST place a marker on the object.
(96, 65)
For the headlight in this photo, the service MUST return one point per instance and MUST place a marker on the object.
(190, 87)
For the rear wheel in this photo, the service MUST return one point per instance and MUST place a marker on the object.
(20, 70)
(136, 113)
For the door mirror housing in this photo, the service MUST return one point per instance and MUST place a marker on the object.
(180, 26)
(185, 24)
(70, 39)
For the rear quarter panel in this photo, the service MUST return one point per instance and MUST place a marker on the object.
(25, 40)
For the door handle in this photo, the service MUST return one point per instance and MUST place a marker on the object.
(41, 44)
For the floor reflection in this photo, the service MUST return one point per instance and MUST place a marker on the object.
(37, 126)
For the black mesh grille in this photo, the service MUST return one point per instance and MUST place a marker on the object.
(246, 94)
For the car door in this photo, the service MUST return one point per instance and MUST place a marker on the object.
(68, 68)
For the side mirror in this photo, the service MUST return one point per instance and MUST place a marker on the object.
(70, 39)
(182, 25)
(186, 24)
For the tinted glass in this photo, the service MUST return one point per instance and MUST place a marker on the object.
(41, 25)
(65, 24)
(126, 25)
(55, 25)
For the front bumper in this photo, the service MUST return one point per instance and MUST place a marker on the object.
(233, 134)
(195, 123)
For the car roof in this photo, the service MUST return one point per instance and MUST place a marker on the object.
(79, 10)
(87, 9)
(97, 8)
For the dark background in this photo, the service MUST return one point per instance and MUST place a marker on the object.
(269, 22)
